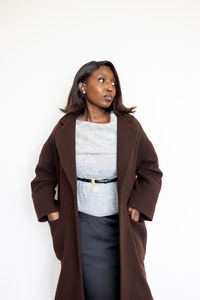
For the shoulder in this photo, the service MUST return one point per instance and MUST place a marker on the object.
(136, 125)
(56, 127)
(61, 122)
(133, 122)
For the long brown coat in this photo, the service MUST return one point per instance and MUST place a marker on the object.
(139, 184)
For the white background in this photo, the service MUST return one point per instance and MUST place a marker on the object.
(155, 48)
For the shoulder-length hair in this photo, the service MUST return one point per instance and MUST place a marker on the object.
(76, 100)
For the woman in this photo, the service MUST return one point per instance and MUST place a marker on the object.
(97, 181)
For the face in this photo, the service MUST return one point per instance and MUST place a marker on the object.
(100, 83)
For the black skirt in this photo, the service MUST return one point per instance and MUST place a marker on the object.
(100, 254)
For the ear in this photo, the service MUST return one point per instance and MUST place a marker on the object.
(82, 86)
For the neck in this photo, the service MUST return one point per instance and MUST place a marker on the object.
(96, 117)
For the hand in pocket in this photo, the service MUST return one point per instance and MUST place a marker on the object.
(53, 216)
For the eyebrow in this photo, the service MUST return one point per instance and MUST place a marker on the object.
(104, 76)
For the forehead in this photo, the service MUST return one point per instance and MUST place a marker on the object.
(103, 70)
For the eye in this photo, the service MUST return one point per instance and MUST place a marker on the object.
(114, 83)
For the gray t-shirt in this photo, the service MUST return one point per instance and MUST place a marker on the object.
(96, 157)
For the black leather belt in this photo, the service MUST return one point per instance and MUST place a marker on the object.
(93, 180)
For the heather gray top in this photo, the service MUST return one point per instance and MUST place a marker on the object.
(96, 157)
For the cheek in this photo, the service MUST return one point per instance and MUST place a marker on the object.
(95, 92)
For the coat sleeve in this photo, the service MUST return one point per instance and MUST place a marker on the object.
(45, 180)
(146, 189)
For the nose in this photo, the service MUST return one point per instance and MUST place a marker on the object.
(109, 87)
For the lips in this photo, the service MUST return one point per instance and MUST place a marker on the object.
(108, 96)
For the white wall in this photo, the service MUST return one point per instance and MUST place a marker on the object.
(155, 48)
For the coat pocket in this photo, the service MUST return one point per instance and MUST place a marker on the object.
(139, 233)
(57, 237)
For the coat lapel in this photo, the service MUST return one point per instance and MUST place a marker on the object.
(65, 142)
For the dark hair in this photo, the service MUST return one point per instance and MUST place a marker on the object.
(76, 100)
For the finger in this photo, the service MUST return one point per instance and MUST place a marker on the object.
(129, 210)
(134, 216)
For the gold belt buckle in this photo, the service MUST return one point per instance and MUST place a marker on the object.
(92, 180)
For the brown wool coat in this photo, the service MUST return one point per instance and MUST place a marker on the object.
(139, 184)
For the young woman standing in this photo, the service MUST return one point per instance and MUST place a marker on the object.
(108, 181)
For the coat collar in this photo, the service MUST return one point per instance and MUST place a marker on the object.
(65, 142)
